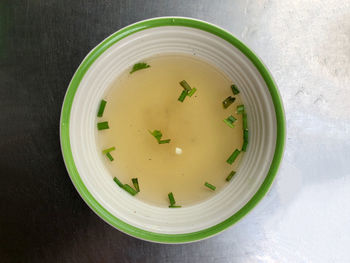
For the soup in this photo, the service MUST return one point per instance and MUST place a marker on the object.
(146, 103)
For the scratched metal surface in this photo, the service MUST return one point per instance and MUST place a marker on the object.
(304, 218)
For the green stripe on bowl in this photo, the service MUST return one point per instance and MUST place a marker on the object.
(68, 157)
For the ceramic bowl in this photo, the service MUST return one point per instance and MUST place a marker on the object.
(136, 43)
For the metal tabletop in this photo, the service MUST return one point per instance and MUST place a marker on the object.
(304, 218)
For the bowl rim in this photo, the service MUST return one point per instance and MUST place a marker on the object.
(65, 137)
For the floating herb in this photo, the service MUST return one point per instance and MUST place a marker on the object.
(171, 198)
(192, 91)
(183, 95)
(210, 186)
(228, 101)
(109, 156)
(188, 91)
(135, 182)
(245, 140)
(102, 125)
(108, 150)
(139, 66)
(129, 189)
(172, 201)
(185, 85)
(240, 108)
(230, 120)
(234, 89)
(101, 108)
(233, 157)
(115, 179)
(230, 176)
(158, 135)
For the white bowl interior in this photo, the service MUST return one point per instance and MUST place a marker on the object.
(254, 164)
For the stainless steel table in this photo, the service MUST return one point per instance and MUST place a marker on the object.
(304, 218)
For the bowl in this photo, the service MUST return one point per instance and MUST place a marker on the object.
(133, 44)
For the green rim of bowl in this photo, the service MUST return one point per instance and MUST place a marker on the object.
(67, 152)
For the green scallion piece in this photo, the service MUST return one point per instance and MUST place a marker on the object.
(228, 101)
(109, 156)
(185, 85)
(244, 146)
(139, 66)
(108, 150)
(240, 108)
(192, 91)
(158, 135)
(210, 186)
(234, 89)
(115, 179)
(245, 122)
(135, 182)
(230, 120)
(233, 157)
(245, 135)
(245, 140)
(102, 125)
(164, 141)
(129, 189)
(183, 95)
(101, 109)
(171, 199)
(229, 177)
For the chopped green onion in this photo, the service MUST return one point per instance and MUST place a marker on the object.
(164, 141)
(228, 101)
(102, 125)
(229, 123)
(244, 146)
(230, 120)
(245, 140)
(129, 189)
(135, 182)
(108, 150)
(139, 66)
(158, 135)
(109, 156)
(240, 108)
(183, 95)
(192, 91)
(245, 135)
(234, 88)
(185, 85)
(233, 157)
(229, 177)
(171, 199)
(115, 179)
(210, 186)
(245, 122)
(101, 109)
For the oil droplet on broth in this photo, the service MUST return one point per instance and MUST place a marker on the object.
(200, 141)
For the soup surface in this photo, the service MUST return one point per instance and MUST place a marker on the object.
(201, 142)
